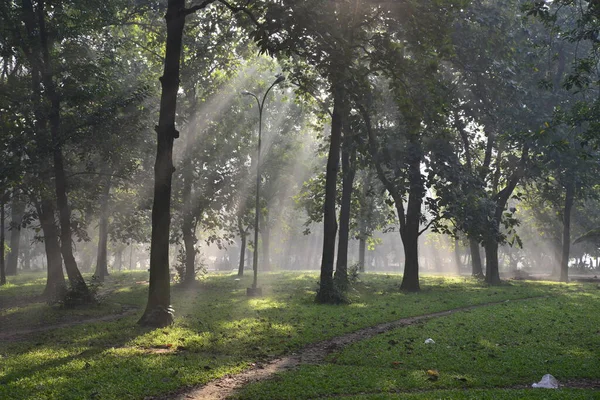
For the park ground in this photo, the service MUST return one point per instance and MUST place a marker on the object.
(490, 342)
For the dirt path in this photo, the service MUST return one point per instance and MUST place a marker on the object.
(312, 354)
(18, 335)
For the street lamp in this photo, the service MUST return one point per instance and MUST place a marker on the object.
(255, 290)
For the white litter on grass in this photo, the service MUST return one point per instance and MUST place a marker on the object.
(547, 382)
(429, 341)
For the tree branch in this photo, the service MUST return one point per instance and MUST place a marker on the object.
(193, 9)
(243, 9)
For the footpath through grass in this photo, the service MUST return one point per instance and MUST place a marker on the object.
(495, 352)
(218, 331)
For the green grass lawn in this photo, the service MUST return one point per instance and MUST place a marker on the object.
(495, 351)
(218, 330)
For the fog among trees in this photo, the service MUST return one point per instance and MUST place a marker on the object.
(419, 137)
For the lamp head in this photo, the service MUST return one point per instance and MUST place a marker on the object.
(279, 79)
(247, 93)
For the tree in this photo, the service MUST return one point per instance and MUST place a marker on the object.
(158, 310)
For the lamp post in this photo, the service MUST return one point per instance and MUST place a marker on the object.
(255, 290)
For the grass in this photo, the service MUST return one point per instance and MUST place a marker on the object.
(494, 351)
(218, 331)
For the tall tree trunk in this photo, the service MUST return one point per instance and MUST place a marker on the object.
(55, 283)
(265, 235)
(476, 267)
(77, 282)
(188, 227)
(158, 309)
(17, 211)
(102, 256)
(410, 233)
(348, 174)
(2, 269)
(327, 293)
(566, 243)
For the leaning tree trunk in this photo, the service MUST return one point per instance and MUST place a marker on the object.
(348, 174)
(476, 267)
(410, 232)
(243, 237)
(55, 283)
(327, 293)
(102, 256)
(158, 311)
(566, 243)
(18, 209)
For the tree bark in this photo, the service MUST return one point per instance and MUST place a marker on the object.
(265, 235)
(362, 246)
(348, 174)
(158, 309)
(76, 280)
(566, 243)
(327, 293)
(2, 267)
(17, 211)
(410, 232)
(492, 273)
(102, 256)
(55, 283)
(242, 255)
(476, 267)
(188, 227)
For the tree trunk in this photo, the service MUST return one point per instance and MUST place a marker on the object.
(327, 292)
(348, 174)
(189, 240)
(158, 309)
(362, 246)
(242, 255)
(101, 260)
(410, 232)
(55, 283)
(77, 282)
(566, 243)
(265, 235)
(492, 273)
(188, 227)
(243, 237)
(18, 209)
(2, 269)
(476, 267)
(118, 264)
(457, 259)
